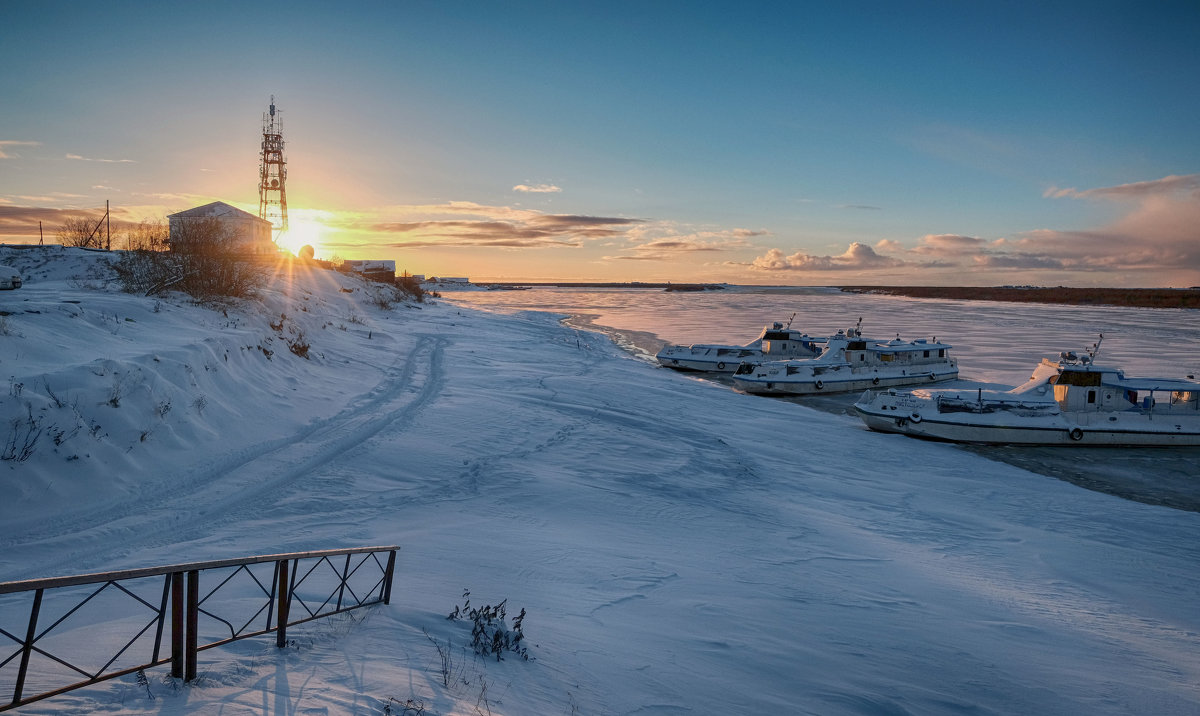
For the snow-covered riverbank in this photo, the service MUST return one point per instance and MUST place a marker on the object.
(678, 547)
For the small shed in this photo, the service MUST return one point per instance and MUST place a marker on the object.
(252, 235)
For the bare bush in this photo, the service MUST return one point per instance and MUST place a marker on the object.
(204, 261)
(80, 231)
(211, 263)
(412, 287)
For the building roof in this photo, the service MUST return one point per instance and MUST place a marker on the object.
(217, 208)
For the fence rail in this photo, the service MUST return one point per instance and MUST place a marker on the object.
(238, 602)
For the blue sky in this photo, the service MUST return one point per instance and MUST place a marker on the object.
(777, 143)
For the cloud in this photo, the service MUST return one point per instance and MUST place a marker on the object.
(858, 207)
(77, 157)
(672, 245)
(22, 221)
(858, 257)
(538, 188)
(1169, 185)
(466, 224)
(950, 244)
(14, 143)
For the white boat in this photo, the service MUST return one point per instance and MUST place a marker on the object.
(851, 362)
(1071, 401)
(776, 342)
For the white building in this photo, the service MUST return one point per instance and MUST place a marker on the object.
(252, 235)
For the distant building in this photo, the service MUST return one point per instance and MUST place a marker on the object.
(374, 269)
(252, 235)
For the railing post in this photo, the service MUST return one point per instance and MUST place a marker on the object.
(27, 647)
(342, 586)
(285, 597)
(193, 624)
(387, 577)
(177, 625)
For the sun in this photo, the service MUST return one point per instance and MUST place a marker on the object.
(302, 232)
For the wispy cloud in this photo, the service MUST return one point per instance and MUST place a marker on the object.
(79, 158)
(672, 245)
(1166, 186)
(22, 221)
(14, 143)
(467, 224)
(537, 188)
(858, 207)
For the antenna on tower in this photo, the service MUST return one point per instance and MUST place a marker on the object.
(272, 174)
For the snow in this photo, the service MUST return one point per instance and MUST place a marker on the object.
(678, 547)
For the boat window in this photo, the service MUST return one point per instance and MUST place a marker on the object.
(941, 353)
(926, 354)
(1081, 378)
(886, 357)
(857, 346)
(1091, 396)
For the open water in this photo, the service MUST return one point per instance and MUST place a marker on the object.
(995, 342)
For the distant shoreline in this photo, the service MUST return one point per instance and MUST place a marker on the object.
(1133, 297)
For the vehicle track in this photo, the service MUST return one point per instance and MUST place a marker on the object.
(196, 502)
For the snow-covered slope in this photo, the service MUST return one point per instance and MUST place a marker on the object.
(678, 547)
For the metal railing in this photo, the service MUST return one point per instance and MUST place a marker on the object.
(100, 623)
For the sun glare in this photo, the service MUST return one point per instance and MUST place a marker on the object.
(302, 232)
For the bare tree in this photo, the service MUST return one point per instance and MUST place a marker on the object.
(147, 235)
(80, 231)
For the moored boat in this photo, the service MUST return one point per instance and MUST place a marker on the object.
(1071, 401)
(850, 362)
(776, 342)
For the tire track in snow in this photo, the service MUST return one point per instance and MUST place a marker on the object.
(188, 506)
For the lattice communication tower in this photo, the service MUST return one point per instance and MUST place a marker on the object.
(272, 190)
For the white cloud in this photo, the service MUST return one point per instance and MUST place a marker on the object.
(77, 157)
(537, 188)
(13, 143)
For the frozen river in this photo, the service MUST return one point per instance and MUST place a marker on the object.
(995, 342)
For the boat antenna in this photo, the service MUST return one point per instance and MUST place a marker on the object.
(858, 327)
(789, 325)
(1096, 348)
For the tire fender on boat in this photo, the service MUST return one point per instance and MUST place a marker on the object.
(875, 380)
(915, 417)
(932, 376)
(819, 385)
(1076, 434)
(721, 366)
(900, 422)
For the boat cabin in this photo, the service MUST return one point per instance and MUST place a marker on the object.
(1085, 388)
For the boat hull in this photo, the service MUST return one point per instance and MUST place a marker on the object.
(834, 383)
(1066, 429)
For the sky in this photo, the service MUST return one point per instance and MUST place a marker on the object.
(763, 143)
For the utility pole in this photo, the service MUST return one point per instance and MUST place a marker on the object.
(41, 239)
(107, 227)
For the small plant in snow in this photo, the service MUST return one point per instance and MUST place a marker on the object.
(299, 345)
(200, 403)
(163, 408)
(407, 707)
(490, 632)
(22, 437)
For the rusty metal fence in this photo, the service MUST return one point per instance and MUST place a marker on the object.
(71, 632)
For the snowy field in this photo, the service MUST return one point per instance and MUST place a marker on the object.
(678, 547)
